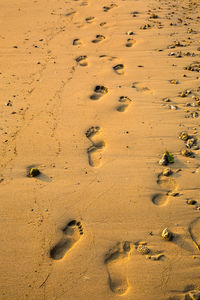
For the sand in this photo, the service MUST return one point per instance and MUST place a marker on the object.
(92, 95)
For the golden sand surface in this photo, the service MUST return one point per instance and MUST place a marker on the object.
(93, 93)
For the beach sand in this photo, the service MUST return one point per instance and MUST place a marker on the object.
(92, 95)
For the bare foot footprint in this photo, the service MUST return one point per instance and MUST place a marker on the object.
(115, 261)
(124, 103)
(107, 8)
(95, 151)
(90, 20)
(130, 42)
(71, 235)
(170, 186)
(99, 38)
(108, 57)
(99, 91)
(77, 42)
(119, 69)
(82, 60)
(140, 87)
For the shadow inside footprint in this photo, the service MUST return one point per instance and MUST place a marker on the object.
(77, 42)
(160, 199)
(82, 60)
(130, 43)
(124, 103)
(115, 262)
(119, 69)
(94, 154)
(71, 234)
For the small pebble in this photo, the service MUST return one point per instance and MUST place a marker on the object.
(167, 234)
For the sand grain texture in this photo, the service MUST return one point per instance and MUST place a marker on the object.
(92, 95)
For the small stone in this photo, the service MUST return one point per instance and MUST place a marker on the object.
(173, 194)
(167, 172)
(194, 295)
(166, 100)
(183, 136)
(156, 257)
(177, 170)
(173, 107)
(146, 26)
(34, 172)
(195, 147)
(174, 81)
(195, 114)
(130, 33)
(191, 202)
(190, 142)
(163, 161)
(167, 234)
(187, 153)
(142, 249)
(153, 16)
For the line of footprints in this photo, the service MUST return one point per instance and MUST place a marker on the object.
(116, 259)
(93, 133)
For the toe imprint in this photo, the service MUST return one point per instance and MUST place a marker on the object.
(71, 234)
(124, 103)
(99, 91)
(92, 131)
(107, 8)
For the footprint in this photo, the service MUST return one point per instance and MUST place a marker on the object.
(99, 91)
(107, 8)
(124, 103)
(82, 60)
(160, 199)
(130, 42)
(119, 69)
(90, 20)
(108, 57)
(97, 147)
(99, 38)
(170, 187)
(115, 262)
(77, 42)
(71, 235)
(140, 87)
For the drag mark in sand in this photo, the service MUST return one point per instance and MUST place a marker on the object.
(194, 231)
(95, 150)
(71, 235)
(116, 262)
